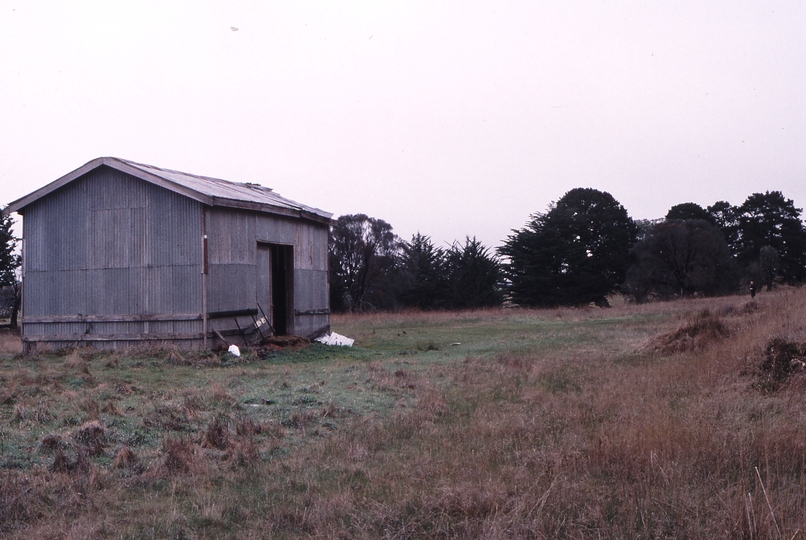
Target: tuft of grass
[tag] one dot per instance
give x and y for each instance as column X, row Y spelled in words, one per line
column 125, row 458
column 92, row 437
column 217, row 434
column 178, row 456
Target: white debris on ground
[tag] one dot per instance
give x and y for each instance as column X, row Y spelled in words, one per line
column 234, row 350
column 336, row 339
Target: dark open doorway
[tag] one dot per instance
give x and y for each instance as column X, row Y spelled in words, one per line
column 275, row 285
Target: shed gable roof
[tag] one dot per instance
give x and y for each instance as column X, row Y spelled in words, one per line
column 206, row 190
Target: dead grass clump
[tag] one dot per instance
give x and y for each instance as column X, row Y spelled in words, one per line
column 39, row 413
column 169, row 417
column 217, row 434
column 219, row 393
column 748, row 308
column 52, row 441
column 90, row 406
column 696, row 334
column 179, row 456
column 246, row 426
column 781, row 359
column 63, row 464
column 75, row 361
column 125, row 458
column 91, row 435
column 245, row 451
column 20, row 500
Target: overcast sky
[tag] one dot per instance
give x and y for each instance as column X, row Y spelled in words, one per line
column 449, row 118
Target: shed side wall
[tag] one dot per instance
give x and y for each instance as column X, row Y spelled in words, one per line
column 112, row 255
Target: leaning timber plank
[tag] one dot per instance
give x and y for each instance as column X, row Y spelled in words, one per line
column 218, row 334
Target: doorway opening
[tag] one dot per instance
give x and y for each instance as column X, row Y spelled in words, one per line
column 275, row 285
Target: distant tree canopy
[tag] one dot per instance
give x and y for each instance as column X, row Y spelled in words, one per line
column 725, row 216
column 584, row 248
column 465, row 276
column 681, row 258
column 575, row 254
column 423, row 274
column 473, row 276
column 372, row 269
column 9, row 260
column 763, row 239
column 363, row 254
column 689, row 210
column 770, row 219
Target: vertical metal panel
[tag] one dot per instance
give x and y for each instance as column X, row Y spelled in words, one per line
column 303, row 290
column 231, row 287
column 231, row 236
column 263, row 277
column 310, row 289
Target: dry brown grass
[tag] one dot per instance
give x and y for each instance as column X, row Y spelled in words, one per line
column 677, row 444
column 663, row 431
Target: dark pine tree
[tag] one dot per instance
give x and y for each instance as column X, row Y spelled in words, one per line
column 473, row 276
column 770, row 219
column 423, row 273
column 575, row 254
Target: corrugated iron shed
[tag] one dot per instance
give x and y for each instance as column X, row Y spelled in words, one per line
column 118, row 253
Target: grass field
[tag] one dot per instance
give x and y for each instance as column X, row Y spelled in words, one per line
column 668, row 420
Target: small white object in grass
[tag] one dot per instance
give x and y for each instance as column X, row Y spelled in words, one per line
column 457, row 343
column 234, row 350
column 336, row 339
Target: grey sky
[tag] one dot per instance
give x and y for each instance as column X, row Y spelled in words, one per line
column 451, row 118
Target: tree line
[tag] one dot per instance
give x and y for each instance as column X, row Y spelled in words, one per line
column 584, row 248
column 372, row 268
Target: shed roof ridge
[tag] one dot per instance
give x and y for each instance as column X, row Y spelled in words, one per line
column 199, row 176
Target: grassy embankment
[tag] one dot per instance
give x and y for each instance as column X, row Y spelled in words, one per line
column 498, row 424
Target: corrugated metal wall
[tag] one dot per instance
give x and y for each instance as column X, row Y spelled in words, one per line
column 232, row 243
column 109, row 254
